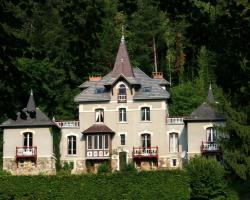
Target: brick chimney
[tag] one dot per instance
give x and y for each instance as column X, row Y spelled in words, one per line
column 95, row 78
column 157, row 75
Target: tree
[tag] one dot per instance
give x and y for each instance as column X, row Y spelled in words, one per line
column 207, row 179
column 236, row 143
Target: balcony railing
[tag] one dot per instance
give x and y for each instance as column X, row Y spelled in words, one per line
column 68, row 124
column 210, row 147
column 97, row 154
column 122, row 98
column 174, row 120
column 24, row 152
column 145, row 152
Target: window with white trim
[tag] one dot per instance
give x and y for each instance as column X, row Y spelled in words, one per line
column 97, row 142
column 145, row 114
column 173, row 142
column 28, row 139
column 123, row 139
column 71, row 145
column 146, row 140
column 122, row 115
column 99, row 115
column 122, row 94
column 211, row 134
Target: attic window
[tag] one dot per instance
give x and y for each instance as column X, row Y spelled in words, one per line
column 99, row 90
column 146, row 89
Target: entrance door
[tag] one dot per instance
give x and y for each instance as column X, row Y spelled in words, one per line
column 122, row 160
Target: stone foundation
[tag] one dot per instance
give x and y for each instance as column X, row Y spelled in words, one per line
column 44, row 166
column 79, row 166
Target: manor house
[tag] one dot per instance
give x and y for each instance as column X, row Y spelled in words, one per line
column 123, row 117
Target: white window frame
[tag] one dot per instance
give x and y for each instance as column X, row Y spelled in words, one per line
column 145, row 137
column 29, row 137
column 99, row 115
column 173, row 142
column 98, row 136
column 123, row 114
column 144, row 111
column 211, row 131
column 71, row 139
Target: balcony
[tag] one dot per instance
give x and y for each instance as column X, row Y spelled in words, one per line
column 174, row 120
column 98, row 154
column 26, row 153
column 68, row 124
column 210, row 147
column 145, row 152
column 122, row 98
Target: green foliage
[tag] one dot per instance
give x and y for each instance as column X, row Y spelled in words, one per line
column 56, row 134
column 207, row 179
column 185, row 98
column 236, row 144
column 1, row 149
column 130, row 167
column 206, row 64
column 4, row 173
column 103, row 168
column 145, row 185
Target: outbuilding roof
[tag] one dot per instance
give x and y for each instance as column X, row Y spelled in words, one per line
column 29, row 117
column 206, row 111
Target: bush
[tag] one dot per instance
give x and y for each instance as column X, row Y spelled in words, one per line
column 4, row 173
column 103, row 168
column 130, row 167
column 207, row 179
column 171, row 185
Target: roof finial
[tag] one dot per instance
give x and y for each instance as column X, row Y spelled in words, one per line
column 123, row 38
column 31, row 92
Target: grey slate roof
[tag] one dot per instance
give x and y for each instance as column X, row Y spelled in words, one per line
column 89, row 94
column 87, row 84
column 29, row 117
column 206, row 111
column 123, row 70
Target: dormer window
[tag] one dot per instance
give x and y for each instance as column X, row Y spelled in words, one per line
column 122, row 94
column 147, row 89
column 99, row 115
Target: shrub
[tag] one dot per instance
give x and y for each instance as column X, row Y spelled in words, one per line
column 130, row 167
column 171, row 185
column 103, row 168
column 206, row 179
column 4, row 173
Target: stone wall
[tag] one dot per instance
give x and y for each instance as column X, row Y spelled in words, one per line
column 45, row 166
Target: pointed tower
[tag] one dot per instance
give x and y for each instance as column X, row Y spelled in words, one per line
column 31, row 106
column 210, row 96
column 122, row 62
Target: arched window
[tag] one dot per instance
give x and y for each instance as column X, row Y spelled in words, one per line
column 173, row 143
column 146, row 140
column 122, row 94
column 28, row 139
column 211, row 134
column 99, row 115
column 71, row 145
column 145, row 114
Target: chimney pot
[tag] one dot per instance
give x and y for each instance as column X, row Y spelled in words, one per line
column 95, row 78
column 157, row 75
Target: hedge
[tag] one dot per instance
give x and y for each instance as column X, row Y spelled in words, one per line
column 171, row 185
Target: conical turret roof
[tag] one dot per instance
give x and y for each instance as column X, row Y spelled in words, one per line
column 122, row 62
